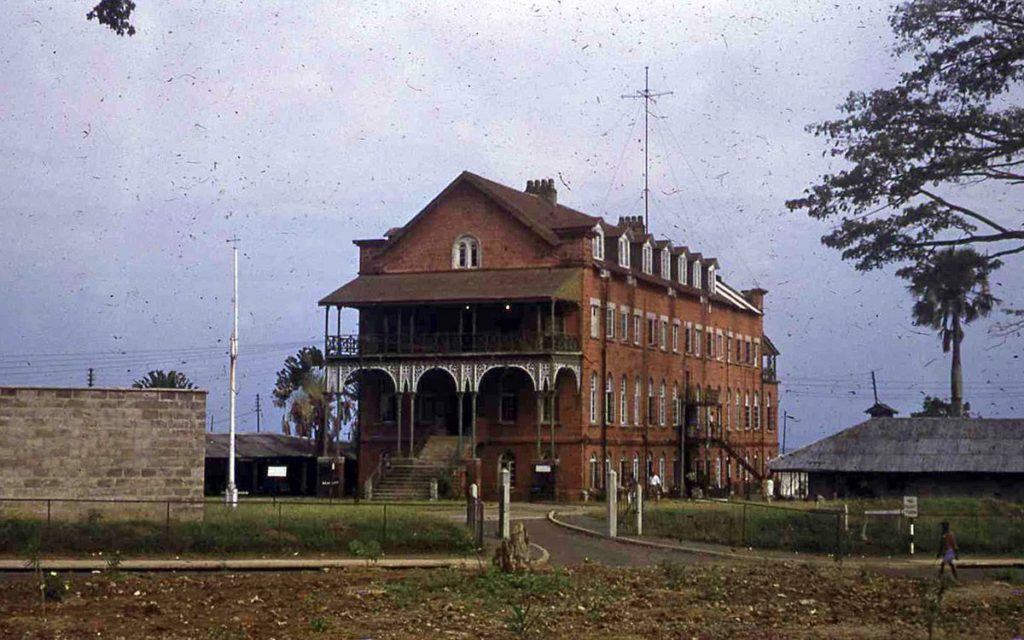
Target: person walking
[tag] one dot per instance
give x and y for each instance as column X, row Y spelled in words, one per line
column 656, row 487
column 948, row 550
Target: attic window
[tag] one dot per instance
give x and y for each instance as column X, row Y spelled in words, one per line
column 648, row 258
column 681, row 276
column 696, row 274
column 666, row 265
column 623, row 251
column 711, row 279
column 598, row 242
column 466, row 253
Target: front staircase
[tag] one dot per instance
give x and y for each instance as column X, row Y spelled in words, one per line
column 409, row 478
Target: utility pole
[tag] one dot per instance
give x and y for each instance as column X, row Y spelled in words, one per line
column 785, row 422
column 232, row 493
column 211, row 424
column 647, row 98
column 259, row 413
column 874, row 386
column 92, row 377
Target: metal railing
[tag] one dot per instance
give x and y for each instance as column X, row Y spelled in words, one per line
column 355, row 345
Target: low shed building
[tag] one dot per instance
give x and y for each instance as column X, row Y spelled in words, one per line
column 891, row 457
column 273, row 464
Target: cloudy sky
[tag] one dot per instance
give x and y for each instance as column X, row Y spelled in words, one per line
column 126, row 164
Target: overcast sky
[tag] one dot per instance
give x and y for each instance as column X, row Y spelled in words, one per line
column 126, row 164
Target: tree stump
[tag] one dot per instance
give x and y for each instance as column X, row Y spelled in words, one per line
column 513, row 555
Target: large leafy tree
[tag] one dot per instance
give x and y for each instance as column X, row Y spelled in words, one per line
column 310, row 410
column 918, row 151
column 115, row 14
column 160, row 379
column 938, row 408
column 951, row 290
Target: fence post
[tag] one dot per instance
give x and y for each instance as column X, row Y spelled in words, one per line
column 471, row 505
column 612, row 498
column 503, row 511
column 639, row 510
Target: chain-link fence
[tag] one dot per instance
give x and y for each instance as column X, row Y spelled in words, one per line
column 214, row 527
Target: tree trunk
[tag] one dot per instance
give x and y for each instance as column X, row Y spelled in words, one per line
column 956, row 375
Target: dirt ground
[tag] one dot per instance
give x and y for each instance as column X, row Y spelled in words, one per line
column 672, row 600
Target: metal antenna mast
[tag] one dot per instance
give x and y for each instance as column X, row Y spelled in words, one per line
column 232, row 493
column 647, row 98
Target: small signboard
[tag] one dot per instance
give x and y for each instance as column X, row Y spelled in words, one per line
column 277, row 472
column 910, row 506
column 543, row 468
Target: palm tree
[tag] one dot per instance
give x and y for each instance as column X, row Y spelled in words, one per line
column 302, row 389
column 160, row 379
column 952, row 290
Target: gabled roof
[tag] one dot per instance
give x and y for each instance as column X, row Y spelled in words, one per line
column 538, row 214
column 915, row 445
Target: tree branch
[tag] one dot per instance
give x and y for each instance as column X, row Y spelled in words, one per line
column 965, row 211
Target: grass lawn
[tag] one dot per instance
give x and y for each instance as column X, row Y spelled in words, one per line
column 253, row 528
column 982, row 526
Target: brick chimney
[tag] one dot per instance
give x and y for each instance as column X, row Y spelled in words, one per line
column 755, row 297
column 636, row 223
column 543, row 188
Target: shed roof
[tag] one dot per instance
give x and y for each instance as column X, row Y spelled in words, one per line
column 915, row 445
column 459, row 286
column 260, row 445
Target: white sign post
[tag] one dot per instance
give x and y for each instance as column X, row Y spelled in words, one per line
column 611, row 498
column 910, row 511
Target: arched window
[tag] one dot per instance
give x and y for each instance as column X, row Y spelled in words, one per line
column 623, row 403
column 746, row 411
column 648, row 257
column 466, row 253
column 593, row 471
column 636, row 401
column 609, row 400
column 675, row 404
column 757, row 411
column 661, row 404
column 624, row 260
column 593, row 398
column 650, row 402
column 598, row 242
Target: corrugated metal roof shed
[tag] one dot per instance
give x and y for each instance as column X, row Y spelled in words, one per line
column 915, row 445
column 262, row 445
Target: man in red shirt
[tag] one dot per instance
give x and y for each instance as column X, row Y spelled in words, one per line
column 948, row 550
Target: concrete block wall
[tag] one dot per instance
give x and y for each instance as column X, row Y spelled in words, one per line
column 100, row 444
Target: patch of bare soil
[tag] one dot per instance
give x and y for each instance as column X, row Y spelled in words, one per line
column 728, row 600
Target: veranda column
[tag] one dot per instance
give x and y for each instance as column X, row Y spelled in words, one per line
column 472, row 422
column 398, row 421
column 459, row 395
column 540, row 418
column 551, row 422
column 412, row 422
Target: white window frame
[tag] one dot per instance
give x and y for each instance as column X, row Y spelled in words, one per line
column 463, row 252
column 688, row 338
column 597, row 243
column 648, row 257
column 609, row 399
column 666, row 264
column 624, row 323
column 593, row 398
column 609, row 321
column 663, row 322
column 624, row 402
column 696, row 274
column 681, row 268
column 624, row 257
column 636, row 401
column 595, row 318
column 637, row 327
column 675, row 336
column 757, row 411
column 711, row 278
column 661, row 405
column 675, row 404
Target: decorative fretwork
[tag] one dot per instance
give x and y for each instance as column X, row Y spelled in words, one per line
column 405, row 374
column 420, row 344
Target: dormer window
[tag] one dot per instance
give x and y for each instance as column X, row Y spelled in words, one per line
column 711, row 279
column 681, row 276
column 598, row 243
column 666, row 265
column 466, row 253
column 696, row 274
column 624, row 251
column 648, row 258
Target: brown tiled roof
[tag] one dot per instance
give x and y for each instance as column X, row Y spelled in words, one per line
column 471, row 285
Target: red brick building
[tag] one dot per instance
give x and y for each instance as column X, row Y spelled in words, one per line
column 542, row 339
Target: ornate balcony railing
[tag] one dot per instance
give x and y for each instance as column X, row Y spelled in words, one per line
column 448, row 344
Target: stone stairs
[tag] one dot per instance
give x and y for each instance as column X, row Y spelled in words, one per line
column 409, row 478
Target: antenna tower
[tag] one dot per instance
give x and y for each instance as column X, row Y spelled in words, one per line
column 647, row 96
